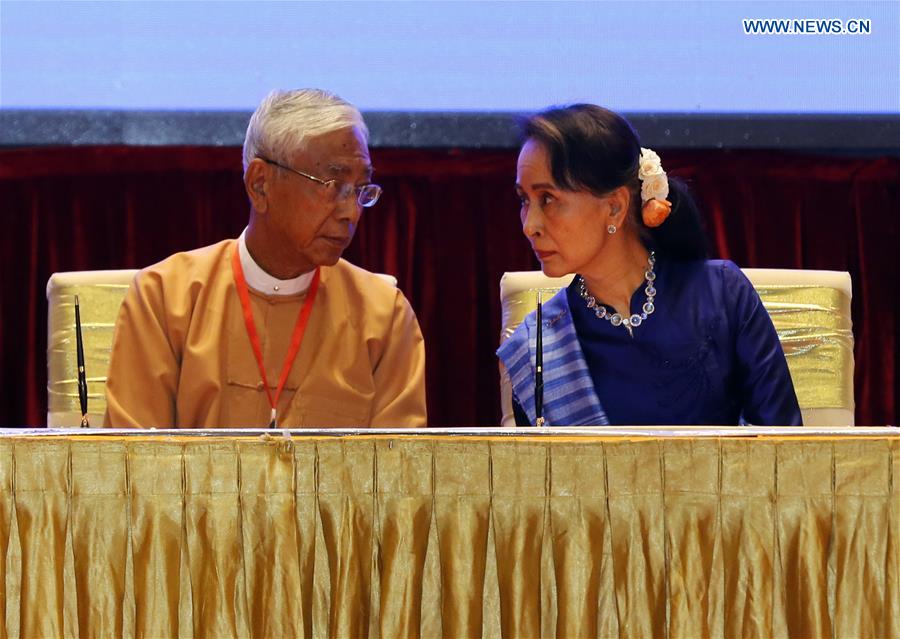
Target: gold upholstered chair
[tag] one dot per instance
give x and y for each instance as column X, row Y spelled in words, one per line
column 810, row 311
column 100, row 294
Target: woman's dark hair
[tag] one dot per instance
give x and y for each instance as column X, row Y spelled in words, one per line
column 593, row 149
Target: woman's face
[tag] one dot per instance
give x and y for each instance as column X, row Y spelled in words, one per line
column 567, row 229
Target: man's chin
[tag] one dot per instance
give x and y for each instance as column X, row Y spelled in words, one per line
column 329, row 259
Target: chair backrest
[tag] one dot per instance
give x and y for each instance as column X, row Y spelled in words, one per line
column 810, row 311
column 100, row 294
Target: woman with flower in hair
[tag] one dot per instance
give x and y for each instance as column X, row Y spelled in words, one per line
column 649, row 331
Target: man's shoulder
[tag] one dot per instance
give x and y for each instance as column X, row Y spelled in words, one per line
column 368, row 299
column 187, row 266
column 200, row 258
column 167, row 293
column 373, row 286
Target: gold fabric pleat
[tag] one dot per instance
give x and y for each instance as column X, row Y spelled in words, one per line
column 518, row 509
column 634, row 474
column 462, row 506
column 7, row 472
column 747, row 506
column 404, row 509
column 42, row 494
column 155, row 491
column 438, row 536
column 97, row 494
column 804, row 527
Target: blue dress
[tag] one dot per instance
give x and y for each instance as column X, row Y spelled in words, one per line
column 707, row 355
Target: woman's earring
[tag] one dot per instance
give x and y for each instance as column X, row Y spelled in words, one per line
column 611, row 229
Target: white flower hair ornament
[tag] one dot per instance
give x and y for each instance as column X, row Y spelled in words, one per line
column 655, row 208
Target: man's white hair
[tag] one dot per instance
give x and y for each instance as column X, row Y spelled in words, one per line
column 284, row 120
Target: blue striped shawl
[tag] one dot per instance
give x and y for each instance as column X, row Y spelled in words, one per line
column 569, row 395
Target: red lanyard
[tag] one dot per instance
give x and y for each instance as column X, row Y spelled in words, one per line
column 296, row 338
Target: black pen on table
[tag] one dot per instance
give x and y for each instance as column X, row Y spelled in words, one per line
column 539, row 367
column 82, row 378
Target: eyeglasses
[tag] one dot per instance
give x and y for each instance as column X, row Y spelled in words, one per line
column 366, row 195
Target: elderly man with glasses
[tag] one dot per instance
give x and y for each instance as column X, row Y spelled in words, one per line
column 274, row 328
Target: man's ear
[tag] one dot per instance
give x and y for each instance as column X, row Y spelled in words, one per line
column 256, row 179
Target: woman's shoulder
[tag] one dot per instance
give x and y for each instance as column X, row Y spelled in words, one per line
column 714, row 271
column 731, row 275
column 712, row 284
column 729, row 287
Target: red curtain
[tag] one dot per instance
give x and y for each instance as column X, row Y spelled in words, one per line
column 447, row 227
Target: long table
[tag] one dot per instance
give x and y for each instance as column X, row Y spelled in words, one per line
column 455, row 533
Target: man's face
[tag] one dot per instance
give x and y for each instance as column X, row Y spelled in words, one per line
column 315, row 225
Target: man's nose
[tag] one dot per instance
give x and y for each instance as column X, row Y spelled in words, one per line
column 348, row 208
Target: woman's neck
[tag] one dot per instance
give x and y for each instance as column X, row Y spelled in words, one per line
column 620, row 269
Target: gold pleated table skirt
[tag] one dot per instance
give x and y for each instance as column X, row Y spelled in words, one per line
column 436, row 535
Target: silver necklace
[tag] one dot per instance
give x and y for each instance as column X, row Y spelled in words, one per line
column 616, row 319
